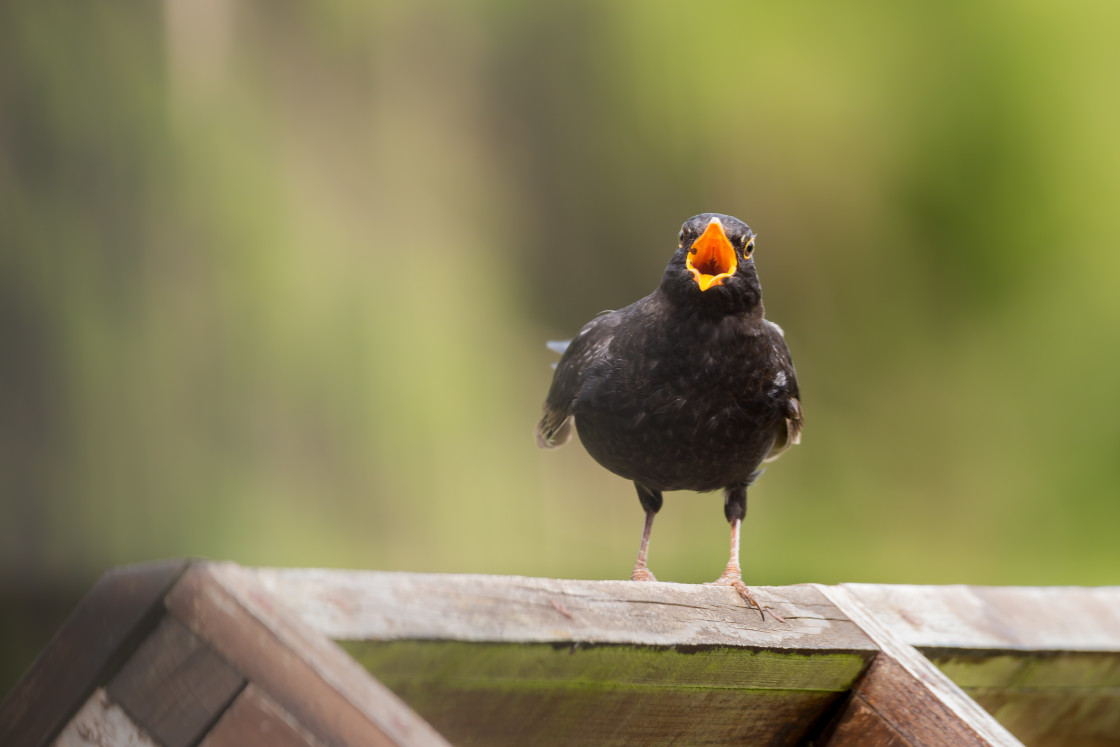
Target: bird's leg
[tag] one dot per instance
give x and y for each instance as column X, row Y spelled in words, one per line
column 651, row 502
column 733, row 572
column 735, row 508
column 641, row 570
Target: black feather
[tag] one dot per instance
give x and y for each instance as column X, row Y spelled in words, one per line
column 684, row 389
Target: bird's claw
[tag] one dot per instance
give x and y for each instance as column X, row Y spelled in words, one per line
column 641, row 573
column 737, row 583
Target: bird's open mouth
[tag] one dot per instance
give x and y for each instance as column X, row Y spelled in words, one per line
column 711, row 257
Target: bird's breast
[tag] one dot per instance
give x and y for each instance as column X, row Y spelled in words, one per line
column 682, row 414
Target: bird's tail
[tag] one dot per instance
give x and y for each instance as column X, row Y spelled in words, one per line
column 558, row 347
column 554, row 429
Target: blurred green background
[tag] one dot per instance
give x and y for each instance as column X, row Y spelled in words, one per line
column 275, row 280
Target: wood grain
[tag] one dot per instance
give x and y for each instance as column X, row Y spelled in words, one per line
column 370, row 605
column 116, row 614
column 587, row 715
column 862, row 726
column 487, row 664
column 1062, row 618
column 175, row 686
column 918, row 701
column 513, row 660
column 308, row 675
column 1045, row 662
column 1047, row 717
column 537, row 693
column 921, row 714
column 102, row 723
column 1042, row 697
column 255, row 720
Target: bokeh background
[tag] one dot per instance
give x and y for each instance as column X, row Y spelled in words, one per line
column 275, row 280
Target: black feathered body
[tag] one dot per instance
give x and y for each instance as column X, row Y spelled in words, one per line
column 682, row 390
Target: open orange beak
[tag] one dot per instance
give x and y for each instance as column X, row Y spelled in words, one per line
column 711, row 257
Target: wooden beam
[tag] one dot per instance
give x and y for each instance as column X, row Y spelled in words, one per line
column 860, row 724
column 373, row 605
column 1044, row 661
column 177, row 653
column 539, row 693
column 911, row 695
column 304, row 672
column 110, row 621
column 510, row 660
column 175, row 686
column 102, row 723
column 1058, row 618
column 256, row 719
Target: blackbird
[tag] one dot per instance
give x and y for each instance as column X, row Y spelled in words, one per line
column 690, row 388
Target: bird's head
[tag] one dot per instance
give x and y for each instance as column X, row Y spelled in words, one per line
column 713, row 262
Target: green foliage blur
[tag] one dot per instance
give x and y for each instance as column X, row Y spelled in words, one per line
column 275, row 281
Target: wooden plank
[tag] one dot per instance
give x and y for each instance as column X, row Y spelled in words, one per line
column 370, row 605
column 913, row 706
column 862, row 726
column 1029, row 670
column 479, row 664
column 910, row 693
column 116, row 614
column 1049, row 717
column 1045, row 662
column 557, row 655
column 1042, row 697
column 538, row 693
column 305, row 673
column 175, row 686
column 507, row 660
column 1066, row 618
column 102, row 723
column 584, row 714
column 255, row 719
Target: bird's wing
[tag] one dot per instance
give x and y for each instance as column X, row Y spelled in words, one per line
column 555, row 427
column 786, row 390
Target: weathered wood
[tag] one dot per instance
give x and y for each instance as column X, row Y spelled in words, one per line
column 116, row 614
column 477, row 664
column 102, row 723
column 1044, row 661
column 917, row 712
column 175, row 686
column 1060, row 618
column 911, row 694
column 1042, row 697
column 1029, row 670
column 494, row 693
column 306, row 674
column 862, row 726
column 1042, row 718
column 581, row 713
column 370, row 605
column 255, row 720
column 512, row 660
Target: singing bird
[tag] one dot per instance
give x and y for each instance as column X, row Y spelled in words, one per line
column 690, row 388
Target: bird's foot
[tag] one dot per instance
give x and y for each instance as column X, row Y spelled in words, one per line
column 731, row 577
column 641, row 573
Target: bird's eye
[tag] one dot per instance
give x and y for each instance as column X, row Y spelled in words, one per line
column 749, row 247
column 680, row 239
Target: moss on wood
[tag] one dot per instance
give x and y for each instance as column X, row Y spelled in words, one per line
column 501, row 693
